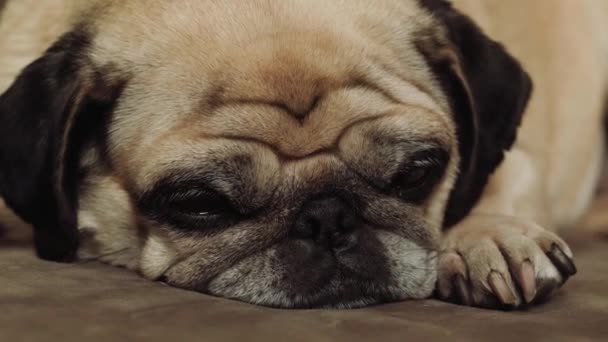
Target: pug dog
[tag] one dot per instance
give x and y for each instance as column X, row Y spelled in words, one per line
column 307, row 153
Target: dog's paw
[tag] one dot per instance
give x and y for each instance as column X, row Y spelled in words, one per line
column 501, row 262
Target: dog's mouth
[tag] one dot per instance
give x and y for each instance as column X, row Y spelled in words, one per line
column 342, row 290
column 301, row 275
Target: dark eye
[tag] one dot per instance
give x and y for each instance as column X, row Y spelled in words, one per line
column 420, row 174
column 412, row 177
column 189, row 207
column 199, row 204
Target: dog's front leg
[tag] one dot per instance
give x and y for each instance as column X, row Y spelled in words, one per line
column 500, row 256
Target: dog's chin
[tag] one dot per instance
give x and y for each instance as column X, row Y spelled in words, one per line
column 300, row 275
column 342, row 292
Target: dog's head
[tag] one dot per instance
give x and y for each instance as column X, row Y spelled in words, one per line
column 286, row 153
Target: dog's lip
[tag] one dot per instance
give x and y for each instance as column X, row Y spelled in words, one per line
column 366, row 289
column 334, row 255
column 204, row 286
column 338, row 266
column 374, row 293
column 354, row 290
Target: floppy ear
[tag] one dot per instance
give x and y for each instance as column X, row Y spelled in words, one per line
column 487, row 90
column 40, row 130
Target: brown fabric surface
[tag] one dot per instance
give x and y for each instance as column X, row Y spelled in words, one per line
column 44, row 301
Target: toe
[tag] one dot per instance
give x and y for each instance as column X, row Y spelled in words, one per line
column 522, row 255
column 452, row 283
column 527, row 280
column 547, row 240
column 503, row 292
column 462, row 290
column 491, row 281
column 558, row 252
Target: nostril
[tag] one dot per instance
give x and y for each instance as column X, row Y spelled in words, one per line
column 347, row 222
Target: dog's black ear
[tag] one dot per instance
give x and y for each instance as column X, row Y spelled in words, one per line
column 38, row 122
column 487, row 90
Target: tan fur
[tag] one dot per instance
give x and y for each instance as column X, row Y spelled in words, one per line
column 551, row 173
column 297, row 91
column 27, row 28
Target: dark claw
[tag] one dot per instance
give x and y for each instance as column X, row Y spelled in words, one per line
column 564, row 264
column 462, row 288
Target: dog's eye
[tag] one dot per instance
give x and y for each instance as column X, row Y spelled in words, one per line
column 199, row 204
column 419, row 174
column 189, row 206
column 197, row 210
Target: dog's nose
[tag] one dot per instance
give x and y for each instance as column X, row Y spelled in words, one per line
column 329, row 221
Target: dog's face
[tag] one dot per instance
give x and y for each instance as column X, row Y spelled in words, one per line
column 290, row 153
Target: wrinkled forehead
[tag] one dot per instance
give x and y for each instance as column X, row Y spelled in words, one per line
column 260, row 144
column 294, row 77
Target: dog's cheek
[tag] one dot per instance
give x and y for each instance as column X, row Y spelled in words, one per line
column 158, row 254
column 107, row 223
column 413, row 268
column 256, row 279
